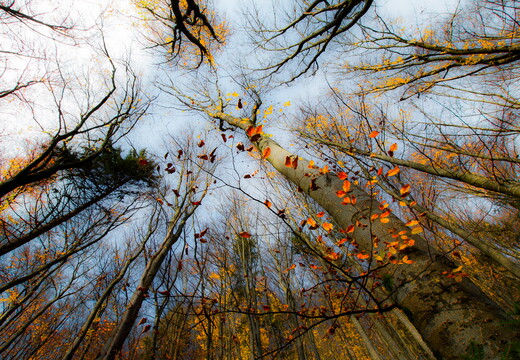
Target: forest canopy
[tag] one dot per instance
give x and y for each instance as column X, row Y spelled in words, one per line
column 196, row 179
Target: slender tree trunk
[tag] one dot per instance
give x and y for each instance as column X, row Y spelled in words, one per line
column 115, row 345
column 448, row 314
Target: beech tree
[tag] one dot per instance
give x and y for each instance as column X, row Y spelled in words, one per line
column 415, row 275
column 364, row 245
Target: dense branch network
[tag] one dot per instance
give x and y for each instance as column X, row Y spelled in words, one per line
column 315, row 28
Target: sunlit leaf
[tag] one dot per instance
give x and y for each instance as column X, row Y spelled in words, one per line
column 324, row 170
column 342, row 175
column 293, row 266
column 327, row 226
column 393, row 171
column 417, row 230
column 412, row 223
column 346, row 186
column 341, row 242
column 373, row 134
column 406, row 260
column 266, row 152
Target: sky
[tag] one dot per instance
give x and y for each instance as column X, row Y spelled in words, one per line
column 118, row 19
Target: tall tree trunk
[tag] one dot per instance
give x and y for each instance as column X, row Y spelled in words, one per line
column 449, row 314
column 121, row 332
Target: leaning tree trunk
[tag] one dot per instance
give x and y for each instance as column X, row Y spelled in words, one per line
column 175, row 229
column 450, row 315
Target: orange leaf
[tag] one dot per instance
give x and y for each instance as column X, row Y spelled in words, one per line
column 341, row 242
column 245, row 234
column 406, row 260
column 320, row 214
column 342, row 175
column 405, row 189
column 268, row 203
column 412, row 223
column 393, row 171
column 251, row 131
column 327, row 226
column 373, row 134
column 385, row 214
column 340, row 193
column 266, row 152
column 350, row 229
column 324, row 170
column 293, row 266
column 384, row 220
column 332, row 256
column 346, row 186
column 393, row 147
column 312, row 223
column 346, row 201
column 363, row 256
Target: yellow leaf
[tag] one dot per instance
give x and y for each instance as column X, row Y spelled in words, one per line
column 393, row 172
column 327, row 226
column 417, row 230
column 412, row 223
column 287, row 103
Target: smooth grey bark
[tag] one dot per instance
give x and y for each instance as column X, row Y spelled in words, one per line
column 448, row 314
